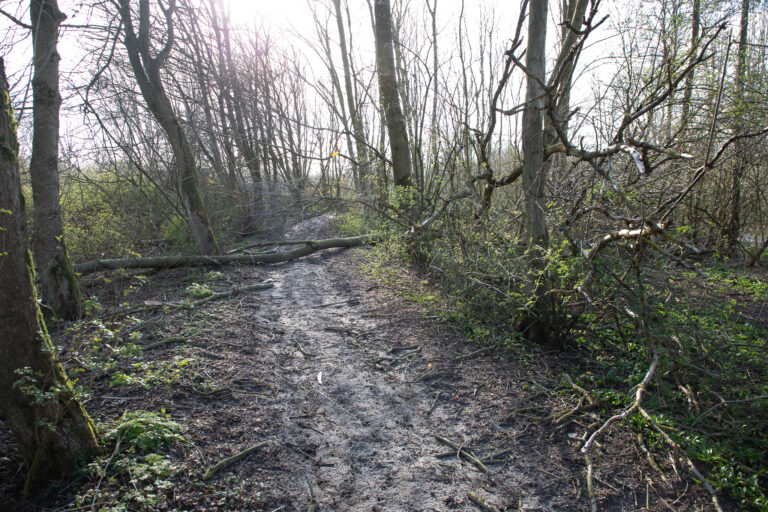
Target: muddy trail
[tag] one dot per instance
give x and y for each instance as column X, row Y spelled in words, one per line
column 364, row 404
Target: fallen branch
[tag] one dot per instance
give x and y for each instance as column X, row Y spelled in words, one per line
column 236, row 259
column 153, row 305
column 629, row 410
column 725, row 403
column 480, row 503
column 679, row 450
column 164, row 342
column 269, row 244
column 464, row 453
column 231, row 460
column 476, row 353
column 623, row 234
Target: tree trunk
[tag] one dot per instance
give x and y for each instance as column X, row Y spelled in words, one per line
column 688, row 92
column 58, row 285
column 389, row 96
column 36, row 398
column 236, row 108
column 733, row 227
column 540, row 324
column 572, row 22
column 363, row 164
column 147, row 71
column 307, row 247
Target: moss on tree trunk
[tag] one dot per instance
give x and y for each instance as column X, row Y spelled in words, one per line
column 36, row 398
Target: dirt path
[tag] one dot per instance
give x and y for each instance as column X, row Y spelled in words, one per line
column 345, row 397
column 350, row 386
column 343, row 391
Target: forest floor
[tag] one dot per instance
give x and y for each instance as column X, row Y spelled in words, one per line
column 349, row 387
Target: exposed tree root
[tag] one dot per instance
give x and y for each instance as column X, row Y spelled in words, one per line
column 308, row 248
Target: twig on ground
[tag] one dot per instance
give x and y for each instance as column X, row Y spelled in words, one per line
column 476, row 353
column 651, row 460
column 480, row 503
column 392, row 359
column 329, row 304
column 679, row 450
column 313, row 506
column 434, row 403
column 431, row 374
column 164, row 342
column 464, row 453
column 491, row 459
column 590, row 486
column 580, row 389
column 174, row 306
column 231, row 460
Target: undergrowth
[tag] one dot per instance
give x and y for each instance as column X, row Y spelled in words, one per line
column 138, row 473
column 710, row 392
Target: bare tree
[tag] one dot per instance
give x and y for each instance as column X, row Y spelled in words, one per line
column 389, row 95
column 146, row 69
column 534, row 171
column 60, row 292
column 688, row 93
column 732, row 230
column 361, row 156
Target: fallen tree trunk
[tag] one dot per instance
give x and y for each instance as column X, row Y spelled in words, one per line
column 274, row 243
column 310, row 247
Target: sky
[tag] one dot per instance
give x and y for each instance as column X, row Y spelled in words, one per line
column 287, row 21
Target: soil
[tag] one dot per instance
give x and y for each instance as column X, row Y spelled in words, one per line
column 349, row 385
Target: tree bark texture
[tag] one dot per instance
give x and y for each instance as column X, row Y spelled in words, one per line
column 146, row 69
column 36, row 398
column 534, row 173
column 58, row 285
column 389, row 95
